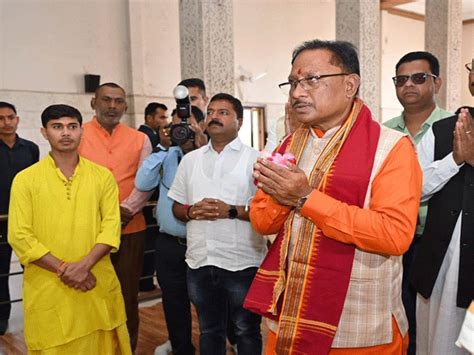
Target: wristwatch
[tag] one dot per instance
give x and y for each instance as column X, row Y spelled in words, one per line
column 300, row 203
column 233, row 212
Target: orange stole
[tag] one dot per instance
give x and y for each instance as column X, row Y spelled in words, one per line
column 308, row 298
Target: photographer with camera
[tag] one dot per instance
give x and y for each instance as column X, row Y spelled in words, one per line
column 197, row 93
column 184, row 135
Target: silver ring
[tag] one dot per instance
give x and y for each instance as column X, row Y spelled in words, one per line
column 467, row 132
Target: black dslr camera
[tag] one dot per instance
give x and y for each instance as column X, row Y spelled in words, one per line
column 181, row 132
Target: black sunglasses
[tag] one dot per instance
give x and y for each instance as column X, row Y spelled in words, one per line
column 417, row 78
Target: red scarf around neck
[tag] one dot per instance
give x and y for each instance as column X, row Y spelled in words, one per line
column 308, row 324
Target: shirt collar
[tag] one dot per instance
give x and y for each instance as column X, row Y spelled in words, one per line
column 436, row 115
column 433, row 117
column 53, row 165
column 147, row 126
column 236, row 144
column 400, row 122
column 327, row 135
column 18, row 141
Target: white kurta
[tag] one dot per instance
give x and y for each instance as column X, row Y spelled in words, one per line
column 438, row 320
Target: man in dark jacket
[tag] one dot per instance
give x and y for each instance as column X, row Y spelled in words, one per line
column 16, row 154
column 443, row 267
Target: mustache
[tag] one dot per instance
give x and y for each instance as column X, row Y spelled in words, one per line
column 298, row 102
column 215, row 122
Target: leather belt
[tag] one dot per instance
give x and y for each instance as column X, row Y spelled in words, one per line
column 180, row 240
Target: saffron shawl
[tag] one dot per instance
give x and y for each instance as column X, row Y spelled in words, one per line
column 307, row 298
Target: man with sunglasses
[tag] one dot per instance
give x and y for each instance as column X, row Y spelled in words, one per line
column 416, row 82
column 442, row 273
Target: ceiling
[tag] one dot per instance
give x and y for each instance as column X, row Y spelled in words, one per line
column 417, row 7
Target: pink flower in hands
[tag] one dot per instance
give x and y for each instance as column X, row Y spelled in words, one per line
column 277, row 158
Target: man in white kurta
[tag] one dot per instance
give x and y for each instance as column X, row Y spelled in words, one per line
column 438, row 312
column 446, row 154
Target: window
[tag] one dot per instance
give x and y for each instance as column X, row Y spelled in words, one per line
column 252, row 131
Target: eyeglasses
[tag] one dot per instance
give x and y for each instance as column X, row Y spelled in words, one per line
column 468, row 67
column 307, row 84
column 417, row 79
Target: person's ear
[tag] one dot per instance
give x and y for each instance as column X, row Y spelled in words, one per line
column 93, row 103
column 438, row 82
column 352, row 84
column 43, row 133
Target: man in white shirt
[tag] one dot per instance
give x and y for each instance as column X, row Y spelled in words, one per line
column 442, row 270
column 211, row 190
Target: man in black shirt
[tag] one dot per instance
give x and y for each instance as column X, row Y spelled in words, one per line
column 16, row 154
column 156, row 117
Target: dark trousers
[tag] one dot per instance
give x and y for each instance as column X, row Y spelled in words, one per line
column 215, row 293
column 5, row 257
column 171, row 273
column 409, row 294
column 128, row 263
column 146, row 284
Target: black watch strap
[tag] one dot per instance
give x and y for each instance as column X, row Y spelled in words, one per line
column 233, row 212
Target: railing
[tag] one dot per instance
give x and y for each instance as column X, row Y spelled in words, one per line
column 4, row 218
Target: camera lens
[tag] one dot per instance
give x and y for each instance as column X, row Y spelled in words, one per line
column 180, row 133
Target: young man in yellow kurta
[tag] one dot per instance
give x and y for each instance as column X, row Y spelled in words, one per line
column 64, row 221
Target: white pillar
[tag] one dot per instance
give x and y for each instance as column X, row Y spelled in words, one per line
column 443, row 38
column 136, row 61
column 1, row 46
column 207, row 43
column 358, row 22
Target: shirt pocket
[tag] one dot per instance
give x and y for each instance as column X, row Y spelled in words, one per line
column 235, row 188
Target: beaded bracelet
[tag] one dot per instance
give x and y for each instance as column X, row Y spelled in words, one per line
column 60, row 269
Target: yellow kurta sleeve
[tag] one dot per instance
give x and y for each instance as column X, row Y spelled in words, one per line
column 20, row 223
column 110, row 228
